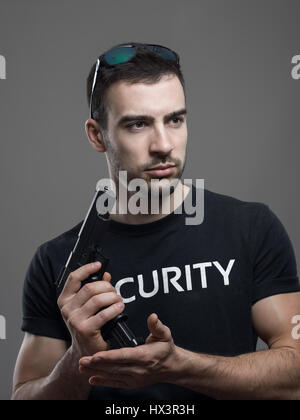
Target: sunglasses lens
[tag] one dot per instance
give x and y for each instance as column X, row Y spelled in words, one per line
column 164, row 52
column 119, row 55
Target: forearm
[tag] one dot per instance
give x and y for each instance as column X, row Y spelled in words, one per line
column 64, row 383
column 269, row 374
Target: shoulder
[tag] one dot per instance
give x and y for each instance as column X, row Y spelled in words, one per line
column 261, row 227
column 229, row 201
column 51, row 255
column 63, row 238
column 251, row 220
column 231, row 207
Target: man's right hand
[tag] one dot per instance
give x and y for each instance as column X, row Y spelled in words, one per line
column 87, row 309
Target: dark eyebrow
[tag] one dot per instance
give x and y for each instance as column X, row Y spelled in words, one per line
column 149, row 118
column 175, row 114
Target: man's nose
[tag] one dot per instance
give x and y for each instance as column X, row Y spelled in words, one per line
column 161, row 141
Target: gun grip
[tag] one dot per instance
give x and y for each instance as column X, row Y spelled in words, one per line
column 94, row 254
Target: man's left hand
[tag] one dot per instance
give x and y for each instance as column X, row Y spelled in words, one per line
column 130, row 368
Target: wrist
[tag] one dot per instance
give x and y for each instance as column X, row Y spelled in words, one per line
column 74, row 354
column 79, row 379
column 179, row 367
column 189, row 367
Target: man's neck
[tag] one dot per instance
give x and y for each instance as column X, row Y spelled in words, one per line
column 170, row 203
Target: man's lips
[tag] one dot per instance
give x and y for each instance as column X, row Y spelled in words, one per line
column 161, row 170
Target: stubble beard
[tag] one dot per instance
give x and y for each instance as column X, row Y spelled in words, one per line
column 155, row 191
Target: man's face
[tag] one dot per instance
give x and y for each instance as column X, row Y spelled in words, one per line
column 146, row 129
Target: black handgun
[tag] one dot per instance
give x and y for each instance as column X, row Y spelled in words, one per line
column 88, row 249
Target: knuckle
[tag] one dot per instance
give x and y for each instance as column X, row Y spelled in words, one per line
column 89, row 288
column 107, row 314
column 64, row 312
column 108, row 287
column 71, row 276
column 103, row 317
column 72, row 323
column 97, row 300
column 113, row 297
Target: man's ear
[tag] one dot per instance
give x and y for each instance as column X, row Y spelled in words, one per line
column 95, row 136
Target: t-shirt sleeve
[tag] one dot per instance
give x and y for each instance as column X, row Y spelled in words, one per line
column 41, row 315
column 274, row 263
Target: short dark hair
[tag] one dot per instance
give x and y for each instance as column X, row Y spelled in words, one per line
column 145, row 67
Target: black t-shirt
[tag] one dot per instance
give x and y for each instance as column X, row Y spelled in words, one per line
column 201, row 280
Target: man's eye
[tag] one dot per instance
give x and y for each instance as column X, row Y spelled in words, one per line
column 177, row 121
column 137, row 125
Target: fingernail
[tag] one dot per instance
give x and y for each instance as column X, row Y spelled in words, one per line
column 85, row 362
column 96, row 264
column 92, row 381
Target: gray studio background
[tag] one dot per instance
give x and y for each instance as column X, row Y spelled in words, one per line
column 243, row 116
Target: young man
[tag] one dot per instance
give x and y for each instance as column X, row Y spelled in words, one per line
column 199, row 294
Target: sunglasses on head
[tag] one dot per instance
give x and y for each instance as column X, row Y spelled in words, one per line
column 125, row 53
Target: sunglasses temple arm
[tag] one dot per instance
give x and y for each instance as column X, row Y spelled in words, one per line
column 93, row 85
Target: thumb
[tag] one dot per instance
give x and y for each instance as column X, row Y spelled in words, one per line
column 157, row 329
column 106, row 276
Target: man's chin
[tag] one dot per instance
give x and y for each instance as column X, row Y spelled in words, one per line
column 161, row 187
column 147, row 185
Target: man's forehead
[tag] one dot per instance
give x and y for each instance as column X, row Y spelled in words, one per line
column 166, row 94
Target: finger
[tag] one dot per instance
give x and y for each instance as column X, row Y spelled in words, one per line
column 106, row 277
column 96, row 322
column 112, row 370
column 88, row 291
column 86, row 363
column 126, row 355
column 97, row 303
column 101, row 318
column 75, row 278
column 158, row 330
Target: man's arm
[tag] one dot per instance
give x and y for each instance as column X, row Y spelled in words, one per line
column 47, row 369
column 269, row 374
